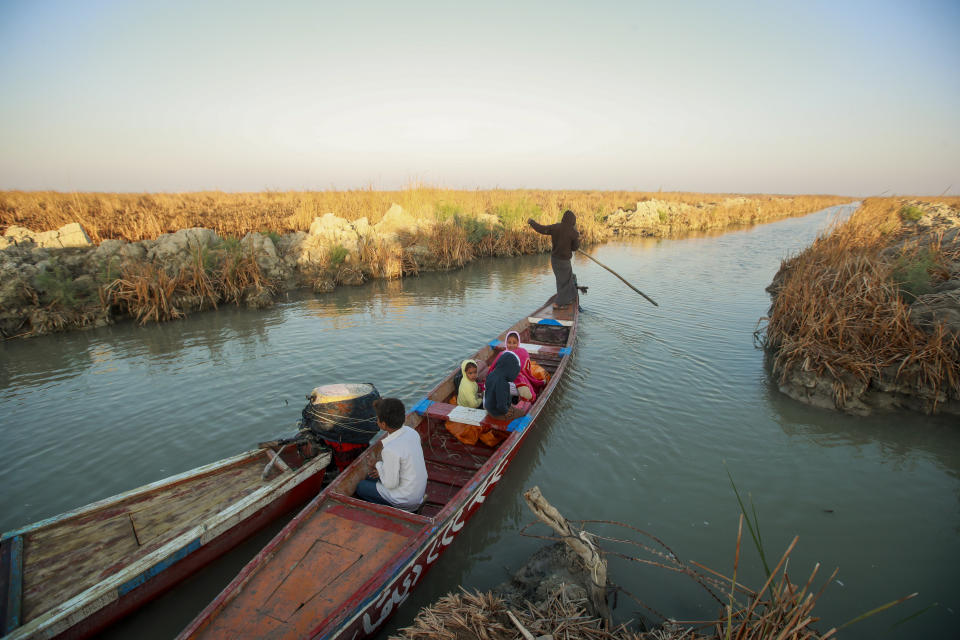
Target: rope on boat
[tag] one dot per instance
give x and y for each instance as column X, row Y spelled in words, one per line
column 337, row 420
column 444, row 438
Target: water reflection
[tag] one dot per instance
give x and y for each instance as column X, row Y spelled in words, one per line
column 898, row 438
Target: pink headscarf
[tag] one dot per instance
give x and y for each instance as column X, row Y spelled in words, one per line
column 520, row 351
column 522, row 379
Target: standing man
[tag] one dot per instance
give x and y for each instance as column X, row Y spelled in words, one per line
column 566, row 240
column 399, row 478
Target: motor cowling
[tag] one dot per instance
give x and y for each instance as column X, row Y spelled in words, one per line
column 342, row 413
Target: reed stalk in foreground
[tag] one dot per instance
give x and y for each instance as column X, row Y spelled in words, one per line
column 780, row 609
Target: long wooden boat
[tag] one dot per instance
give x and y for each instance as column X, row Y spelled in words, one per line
column 342, row 566
column 72, row 575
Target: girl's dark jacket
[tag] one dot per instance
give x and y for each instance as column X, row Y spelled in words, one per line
column 564, row 235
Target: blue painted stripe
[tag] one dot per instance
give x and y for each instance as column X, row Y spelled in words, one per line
column 549, row 322
column 158, row 568
column 494, row 343
column 14, row 585
column 519, row 424
column 422, row 406
column 565, row 351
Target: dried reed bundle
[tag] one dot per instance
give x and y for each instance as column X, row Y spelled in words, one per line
column 449, row 245
column 838, row 310
column 780, row 609
column 240, row 274
column 465, row 615
column 145, row 292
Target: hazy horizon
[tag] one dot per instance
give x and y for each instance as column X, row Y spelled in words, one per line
column 855, row 98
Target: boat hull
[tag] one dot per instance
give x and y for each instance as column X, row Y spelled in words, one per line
column 182, row 568
column 342, row 567
column 130, row 584
column 371, row 614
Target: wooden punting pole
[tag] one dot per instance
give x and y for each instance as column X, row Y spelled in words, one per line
column 619, row 276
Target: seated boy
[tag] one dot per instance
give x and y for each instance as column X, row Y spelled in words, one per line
column 399, row 478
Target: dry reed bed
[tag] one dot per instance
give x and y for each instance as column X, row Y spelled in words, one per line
column 780, row 609
column 135, row 217
column 839, row 310
column 148, row 293
column 460, row 230
column 485, row 616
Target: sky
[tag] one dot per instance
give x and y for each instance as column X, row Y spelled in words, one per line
column 848, row 98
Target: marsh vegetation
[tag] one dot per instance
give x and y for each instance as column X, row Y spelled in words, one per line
column 161, row 256
column 870, row 309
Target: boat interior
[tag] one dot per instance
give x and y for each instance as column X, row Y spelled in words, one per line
column 66, row 555
column 450, row 463
column 339, row 545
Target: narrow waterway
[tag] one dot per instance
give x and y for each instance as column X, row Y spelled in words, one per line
column 660, row 404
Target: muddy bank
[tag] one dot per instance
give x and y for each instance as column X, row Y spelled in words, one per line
column 868, row 318
column 59, row 280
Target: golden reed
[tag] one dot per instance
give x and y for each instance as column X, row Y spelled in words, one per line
column 135, row 217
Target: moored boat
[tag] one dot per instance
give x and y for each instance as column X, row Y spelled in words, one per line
column 71, row 575
column 342, row 566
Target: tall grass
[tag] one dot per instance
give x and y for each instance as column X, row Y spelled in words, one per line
column 840, row 308
column 224, row 273
column 449, row 244
column 135, row 217
column 461, row 225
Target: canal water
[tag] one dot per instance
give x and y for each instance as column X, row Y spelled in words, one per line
column 660, row 408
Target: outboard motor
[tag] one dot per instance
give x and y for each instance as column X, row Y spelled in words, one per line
column 342, row 415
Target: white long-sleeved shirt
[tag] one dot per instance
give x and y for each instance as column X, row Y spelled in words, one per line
column 403, row 473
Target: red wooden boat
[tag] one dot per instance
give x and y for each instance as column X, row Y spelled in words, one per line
column 341, row 567
column 72, row 575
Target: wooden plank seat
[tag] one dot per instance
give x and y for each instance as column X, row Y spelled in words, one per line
column 553, row 322
column 444, row 481
column 447, row 474
column 537, row 351
column 442, row 411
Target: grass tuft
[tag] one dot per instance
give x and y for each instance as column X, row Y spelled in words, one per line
column 911, row 213
column 56, row 287
column 338, row 255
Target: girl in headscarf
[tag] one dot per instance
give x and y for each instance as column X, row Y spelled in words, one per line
column 468, row 395
column 532, row 377
column 497, row 398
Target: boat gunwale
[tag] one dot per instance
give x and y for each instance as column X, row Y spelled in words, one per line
column 403, row 559
column 81, row 606
column 333, row 628
column 195, row 473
